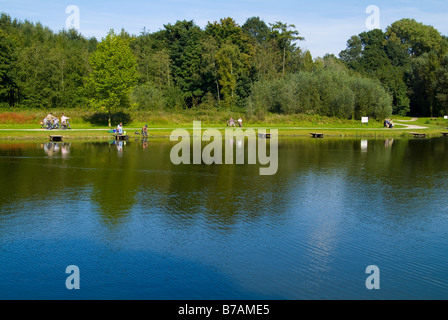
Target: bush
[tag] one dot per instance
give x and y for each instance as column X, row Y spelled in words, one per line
column 147, row 97
column 371, row 99
column 208, row 102
column 324, row 92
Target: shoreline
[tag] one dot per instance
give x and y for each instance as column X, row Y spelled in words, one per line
column 164, row 133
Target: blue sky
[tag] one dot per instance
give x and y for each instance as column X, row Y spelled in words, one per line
column 326, row 25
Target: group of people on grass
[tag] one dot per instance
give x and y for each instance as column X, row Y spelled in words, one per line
column 231, row 122
column 388, row 124
column 120, row 130
column 52, row 122
column 144, row 133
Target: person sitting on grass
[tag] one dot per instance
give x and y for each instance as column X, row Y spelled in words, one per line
column 48, row 121
column 56, row 123
column 50, row 117
column 48, row 124
column 388, row 124
column 120, row 129
column 65, row 123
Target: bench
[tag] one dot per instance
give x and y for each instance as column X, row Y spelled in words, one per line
column 317, row 135
column 445, row 134
column 264, row 135
column 418, row 135
column 56, row 138
column 121, row 137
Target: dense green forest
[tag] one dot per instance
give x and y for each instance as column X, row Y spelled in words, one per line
column 256, row 68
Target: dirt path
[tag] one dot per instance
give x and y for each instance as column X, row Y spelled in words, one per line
column 410, row 126
column 412, row 120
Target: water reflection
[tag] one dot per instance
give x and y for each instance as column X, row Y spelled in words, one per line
column 334, row 207
column 364, row 145
column 65, row 150
column 388, row 143
column 119, row 144
column 53, row 148
column 229, row 194
column 225, row 193
column 145, row 143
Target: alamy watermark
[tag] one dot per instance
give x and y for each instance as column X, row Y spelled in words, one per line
column 373, row 21
column 73, row 21
column 72, row 281
column 373, row 280
column 186, row 152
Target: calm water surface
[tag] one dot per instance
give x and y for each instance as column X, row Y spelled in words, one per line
column 139, row 227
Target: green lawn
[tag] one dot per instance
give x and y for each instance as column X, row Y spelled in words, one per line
column 25, row 125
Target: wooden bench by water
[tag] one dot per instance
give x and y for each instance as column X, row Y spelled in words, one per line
column 264, row 135
column 418, row 135
column 317, row 135
column 121, row 137
column 56, row 138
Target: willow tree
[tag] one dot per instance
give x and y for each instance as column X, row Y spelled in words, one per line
column 114, row 73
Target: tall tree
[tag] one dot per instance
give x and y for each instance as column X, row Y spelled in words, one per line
column 267, row 61
column 370, row 53
column 415, row 37
column 210, row 66
column 183, row 42
column 230, row 69
column 425, row 48
column 442, row 86
column 114, row 73
column 48, row 69
column 307, row 61
column 285, row 35
column 353, row 54
column 233, row 59
column 423, row 83
column 257, row 30
column 7, row 59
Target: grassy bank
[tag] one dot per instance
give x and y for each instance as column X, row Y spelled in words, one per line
column 88, row 119
column 88, row 125
column 161, row 133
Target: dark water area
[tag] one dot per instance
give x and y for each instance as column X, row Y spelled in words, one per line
column 140, row 227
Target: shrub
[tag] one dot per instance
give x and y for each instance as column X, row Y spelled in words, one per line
column 324, row 92
column 147, row 97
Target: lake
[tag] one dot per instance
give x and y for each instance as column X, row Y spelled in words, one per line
column 139, row 227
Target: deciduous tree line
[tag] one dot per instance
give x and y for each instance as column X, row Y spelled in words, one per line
column 257, row 67
column 410, row 59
